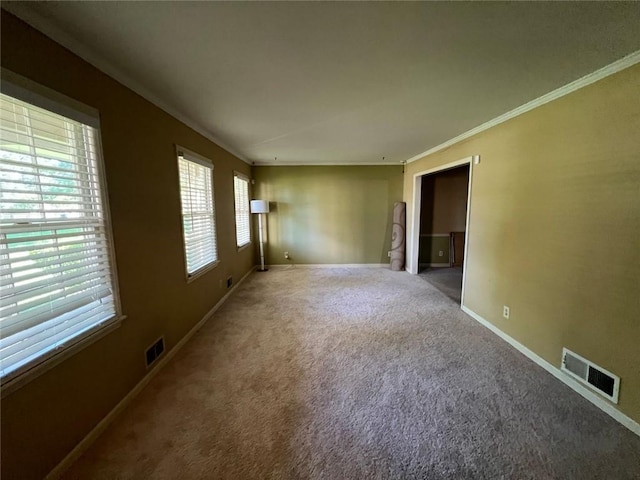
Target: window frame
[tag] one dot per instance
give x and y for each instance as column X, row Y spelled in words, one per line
column 193, row 157
column 30, row 92
column 244, row 178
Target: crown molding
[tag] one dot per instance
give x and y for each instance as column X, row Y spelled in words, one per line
column 623, row 63
column 47, row 27
column 323, row 164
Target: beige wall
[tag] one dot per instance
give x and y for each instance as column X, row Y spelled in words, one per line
column 557, row 192
column 329, row 214
column 444, row 210
column 430, row 248
column 45, row 419
column 444, row 201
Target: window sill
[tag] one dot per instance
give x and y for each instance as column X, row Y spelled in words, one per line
column 198, row 273
column 56, row 358
column 244, row 247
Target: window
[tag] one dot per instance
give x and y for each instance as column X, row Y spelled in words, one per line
column 241, row 193
column 198, row 214
column 56, row 264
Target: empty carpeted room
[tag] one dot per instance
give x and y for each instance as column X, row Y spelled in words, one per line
column 215, row 228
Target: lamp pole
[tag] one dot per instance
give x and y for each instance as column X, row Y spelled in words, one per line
column 262, row 269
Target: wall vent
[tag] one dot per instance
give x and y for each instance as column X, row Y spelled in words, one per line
column 154, row 351
column 597, row 378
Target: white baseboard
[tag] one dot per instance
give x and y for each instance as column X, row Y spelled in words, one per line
column 331, row 265
column 598, row 401
column 93, row 435
column 435, row 264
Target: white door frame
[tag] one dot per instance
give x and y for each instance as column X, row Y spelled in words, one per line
column 413, row 236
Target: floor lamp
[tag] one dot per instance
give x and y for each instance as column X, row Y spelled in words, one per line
column 260, row 207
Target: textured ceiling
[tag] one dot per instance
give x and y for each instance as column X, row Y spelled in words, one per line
column 340, row 83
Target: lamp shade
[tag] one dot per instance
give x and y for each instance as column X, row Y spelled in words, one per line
column 259, row 206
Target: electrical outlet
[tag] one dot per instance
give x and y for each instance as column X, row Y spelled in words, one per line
column 440, row 253
column 286, row 255
column 389, row 254
column 505, row 311
column 229, row 282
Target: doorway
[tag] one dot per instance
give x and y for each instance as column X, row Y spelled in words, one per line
column 439, row 233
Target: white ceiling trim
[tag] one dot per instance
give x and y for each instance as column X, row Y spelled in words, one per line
column 325, row 164
column 45, row 26
column 610, row 69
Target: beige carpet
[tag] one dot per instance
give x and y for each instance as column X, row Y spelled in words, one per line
column 446, row 279
column 355, row 374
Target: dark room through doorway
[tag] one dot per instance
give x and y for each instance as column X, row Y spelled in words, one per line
column 443, row 214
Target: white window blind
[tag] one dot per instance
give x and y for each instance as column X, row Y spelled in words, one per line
column 198, row 212
column 241, row 193
column 55, row 254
